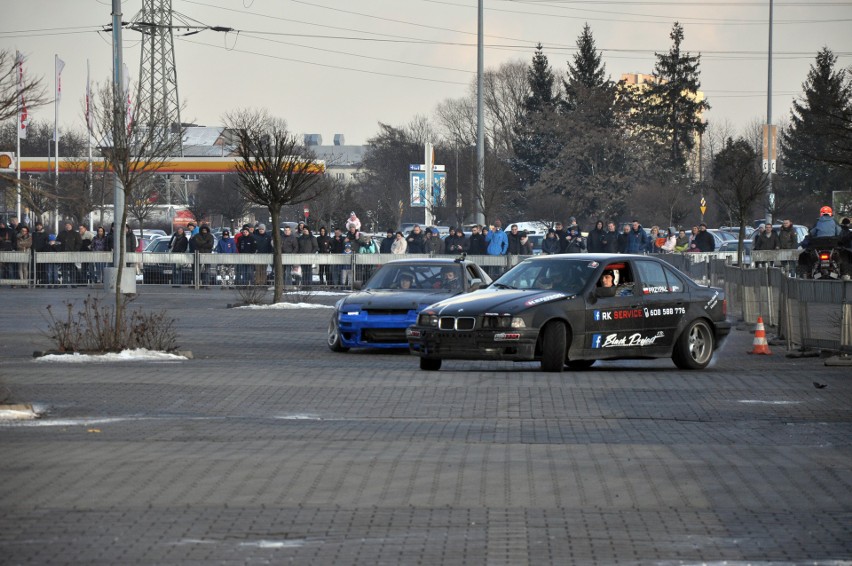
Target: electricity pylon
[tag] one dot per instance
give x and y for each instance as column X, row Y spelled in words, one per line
column 159, row 104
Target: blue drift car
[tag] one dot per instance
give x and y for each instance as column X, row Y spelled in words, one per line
column 378, row 314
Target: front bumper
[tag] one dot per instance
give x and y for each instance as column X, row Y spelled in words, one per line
column 503, row 344
column 364, row 330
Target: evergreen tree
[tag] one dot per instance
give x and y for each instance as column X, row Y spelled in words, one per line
column 817, row 146
column 533, row 145
column 669, row 112
column 542, row 97
column 587, row 72
column 593, row 172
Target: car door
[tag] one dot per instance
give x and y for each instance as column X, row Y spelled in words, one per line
column 615, row 324
column 665, row 299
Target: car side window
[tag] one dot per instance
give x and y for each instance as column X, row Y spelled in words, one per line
column 653, row 277
column 676, row 284
column 622, row 279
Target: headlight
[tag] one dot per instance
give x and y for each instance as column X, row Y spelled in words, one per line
column 427, row 320
column 504, row 321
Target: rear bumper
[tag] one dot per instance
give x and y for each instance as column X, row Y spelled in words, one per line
column 722, row 329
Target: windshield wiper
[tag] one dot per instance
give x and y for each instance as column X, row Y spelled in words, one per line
column 503, row 286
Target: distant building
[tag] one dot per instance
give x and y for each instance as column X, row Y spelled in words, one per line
column 341, row 161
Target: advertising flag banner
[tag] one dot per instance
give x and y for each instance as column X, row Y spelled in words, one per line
column 23, row 118
column 88, row 100
column 60, row 64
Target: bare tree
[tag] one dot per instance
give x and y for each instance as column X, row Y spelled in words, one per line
column 275, row 169
column 221, row 195
column 738, row 183
column 135, row 152
column 32, row 89
column 456, row 119
column 504, row 92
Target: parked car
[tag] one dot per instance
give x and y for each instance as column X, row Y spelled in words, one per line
column 555, row 309
column 378, row 314
column 731, row 246
column 154, row 272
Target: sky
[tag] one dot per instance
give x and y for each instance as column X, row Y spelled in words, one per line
column 344, row 66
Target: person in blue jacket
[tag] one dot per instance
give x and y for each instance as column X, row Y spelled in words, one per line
column 498, row 241
column 637, row 240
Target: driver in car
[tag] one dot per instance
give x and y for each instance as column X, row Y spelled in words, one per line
column 406, row 281
column 449, row 280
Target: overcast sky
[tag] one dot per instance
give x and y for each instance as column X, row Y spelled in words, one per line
column 343, row 66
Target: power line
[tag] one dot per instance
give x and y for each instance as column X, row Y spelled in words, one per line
column 667, row 20
column 325, row 65
column 407, row 63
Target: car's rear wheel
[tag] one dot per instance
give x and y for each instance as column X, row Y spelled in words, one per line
column 580, row 365
column 334, row 343
column 430, row 364
column 553, row 342
column 694, row 348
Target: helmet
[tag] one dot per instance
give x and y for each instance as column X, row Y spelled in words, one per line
column 826, row 210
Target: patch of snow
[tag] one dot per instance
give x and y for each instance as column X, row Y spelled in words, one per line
column 319, row 293
column 760, row 402
column 286, row 306
column 139, row 354
column 299, row 417
column 16, row 414
column 275, row 543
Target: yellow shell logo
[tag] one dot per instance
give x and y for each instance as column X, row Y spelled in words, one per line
column 5, row 161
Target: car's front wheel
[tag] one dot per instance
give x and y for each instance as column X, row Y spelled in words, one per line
column 694, row 348
column 430, row 364
column 334, row 343
column 554, row 340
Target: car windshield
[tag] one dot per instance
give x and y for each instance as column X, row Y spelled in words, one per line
column 566, row 275
column 406, row 277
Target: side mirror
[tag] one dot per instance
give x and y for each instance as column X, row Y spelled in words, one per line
column 475, row 284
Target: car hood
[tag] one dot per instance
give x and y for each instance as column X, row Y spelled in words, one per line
column 497, row 301
column 392, row 299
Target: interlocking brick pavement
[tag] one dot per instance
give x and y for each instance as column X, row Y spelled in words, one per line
column 269, row 448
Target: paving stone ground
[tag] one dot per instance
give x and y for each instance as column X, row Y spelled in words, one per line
column 269, row 448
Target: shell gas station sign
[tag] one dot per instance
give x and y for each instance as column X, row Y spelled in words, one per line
column 7, row 161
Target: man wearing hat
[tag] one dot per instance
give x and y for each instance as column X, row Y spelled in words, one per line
column 263, row 241
column 387, row 242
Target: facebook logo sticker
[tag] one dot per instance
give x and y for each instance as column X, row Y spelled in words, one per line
column 596, row 340
column 597, row 315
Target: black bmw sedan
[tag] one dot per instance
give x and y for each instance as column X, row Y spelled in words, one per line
column 572, row 310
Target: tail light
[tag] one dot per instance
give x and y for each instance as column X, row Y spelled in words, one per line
column 824, row 256
column 724, row 307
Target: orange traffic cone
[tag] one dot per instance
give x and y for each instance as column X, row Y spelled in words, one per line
column 761, row 346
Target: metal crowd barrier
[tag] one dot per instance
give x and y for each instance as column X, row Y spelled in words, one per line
column 197, row 270
column 697, row 265
column 806, row 313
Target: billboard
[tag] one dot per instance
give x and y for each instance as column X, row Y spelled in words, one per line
column 417, row 183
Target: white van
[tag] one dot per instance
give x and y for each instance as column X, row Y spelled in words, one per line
column 530, row 227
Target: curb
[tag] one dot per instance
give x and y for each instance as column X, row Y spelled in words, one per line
column 841, row 360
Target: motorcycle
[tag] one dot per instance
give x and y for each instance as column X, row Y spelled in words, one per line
column 823, row 258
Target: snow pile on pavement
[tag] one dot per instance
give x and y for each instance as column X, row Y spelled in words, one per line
column 17, row 413
column 316, row 293
column 285, row 306
column 140, row 354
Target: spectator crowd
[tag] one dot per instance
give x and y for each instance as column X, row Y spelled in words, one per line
column 493, row 240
